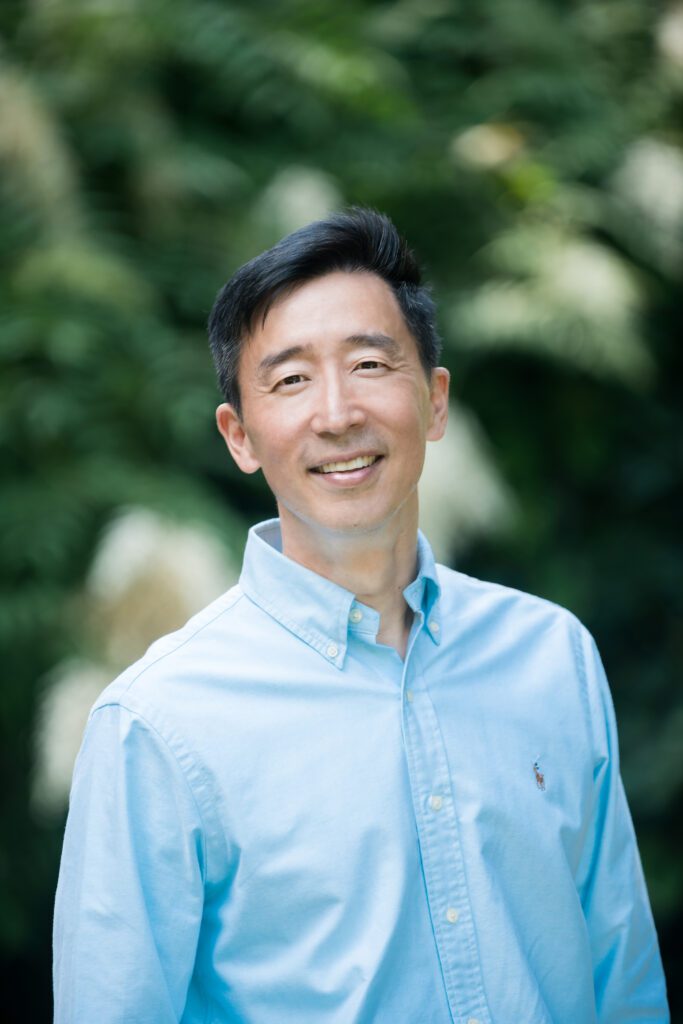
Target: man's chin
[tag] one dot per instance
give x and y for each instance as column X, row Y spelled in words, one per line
column 338, row 524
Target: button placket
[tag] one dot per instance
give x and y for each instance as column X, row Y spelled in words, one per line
column 442, row 858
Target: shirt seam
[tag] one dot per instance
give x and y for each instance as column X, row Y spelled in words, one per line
column 576, row 630
column 153, row 728
column 181, row 643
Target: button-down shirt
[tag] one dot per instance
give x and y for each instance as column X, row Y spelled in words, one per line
column 274, row 818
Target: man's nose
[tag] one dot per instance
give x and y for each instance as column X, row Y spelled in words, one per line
column 337, row 406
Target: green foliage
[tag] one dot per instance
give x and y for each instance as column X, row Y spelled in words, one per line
column 530, row 150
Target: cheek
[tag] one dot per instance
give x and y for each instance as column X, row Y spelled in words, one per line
column 271, row 439
column 413, row 418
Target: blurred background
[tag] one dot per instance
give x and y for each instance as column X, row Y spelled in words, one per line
column 531, row 151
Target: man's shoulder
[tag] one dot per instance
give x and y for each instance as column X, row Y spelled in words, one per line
column 468, row 596
column 520, row 636
column 205, row 645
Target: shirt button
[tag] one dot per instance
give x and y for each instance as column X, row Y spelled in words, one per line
column 436, row 802
column 332, row 651
column 355, row 615
column 410, row 696
column 452, row 916
column 472, row 1020
column 434, row 626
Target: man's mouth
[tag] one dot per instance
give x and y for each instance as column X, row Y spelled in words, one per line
column 347, row 466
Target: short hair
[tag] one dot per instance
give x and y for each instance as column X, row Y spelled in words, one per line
column 357, row 239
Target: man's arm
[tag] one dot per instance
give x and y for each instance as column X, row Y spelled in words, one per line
column 628, row 975
column 130, row 893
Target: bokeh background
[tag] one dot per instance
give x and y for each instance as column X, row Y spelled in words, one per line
column 532, row 152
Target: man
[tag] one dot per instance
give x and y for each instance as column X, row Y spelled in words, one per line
column 358, row 787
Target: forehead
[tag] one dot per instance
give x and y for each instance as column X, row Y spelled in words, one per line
column 329, row 309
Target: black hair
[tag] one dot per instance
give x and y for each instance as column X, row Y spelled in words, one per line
column 358, row 239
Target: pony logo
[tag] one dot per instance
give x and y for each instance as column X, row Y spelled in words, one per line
column 538, row 775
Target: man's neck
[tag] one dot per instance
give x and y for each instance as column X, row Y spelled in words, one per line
column 376, row 567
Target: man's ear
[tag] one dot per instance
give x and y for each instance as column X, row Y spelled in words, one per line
column 438, row 398
column 236, row 438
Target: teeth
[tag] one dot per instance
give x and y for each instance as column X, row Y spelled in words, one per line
column 344, row 467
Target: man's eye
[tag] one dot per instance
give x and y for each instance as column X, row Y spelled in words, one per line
column 293, row 378
column 369, row 364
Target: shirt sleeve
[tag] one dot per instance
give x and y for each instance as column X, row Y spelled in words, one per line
column 130, row 892
column 628, row 976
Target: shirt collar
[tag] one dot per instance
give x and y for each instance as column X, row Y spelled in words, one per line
column 313, row 607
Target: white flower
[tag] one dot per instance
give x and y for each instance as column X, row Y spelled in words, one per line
column 148, row 577
column 487, row 146
column 295, row 197
column 669, row 35
column 70, row 693
column 651, row 179
column 461, row 492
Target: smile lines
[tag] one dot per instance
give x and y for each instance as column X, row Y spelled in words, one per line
column 346, row 467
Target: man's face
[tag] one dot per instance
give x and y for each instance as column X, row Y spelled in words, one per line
column 336, row 407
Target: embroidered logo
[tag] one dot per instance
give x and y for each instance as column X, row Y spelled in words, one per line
column 538, row 774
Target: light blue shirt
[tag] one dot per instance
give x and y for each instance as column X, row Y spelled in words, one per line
column 276, row 820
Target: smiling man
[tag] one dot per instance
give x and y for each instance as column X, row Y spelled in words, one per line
column 335, row 407
column 359, row 787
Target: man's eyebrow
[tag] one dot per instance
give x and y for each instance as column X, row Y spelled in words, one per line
column 270, row 362
column 375, row 340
